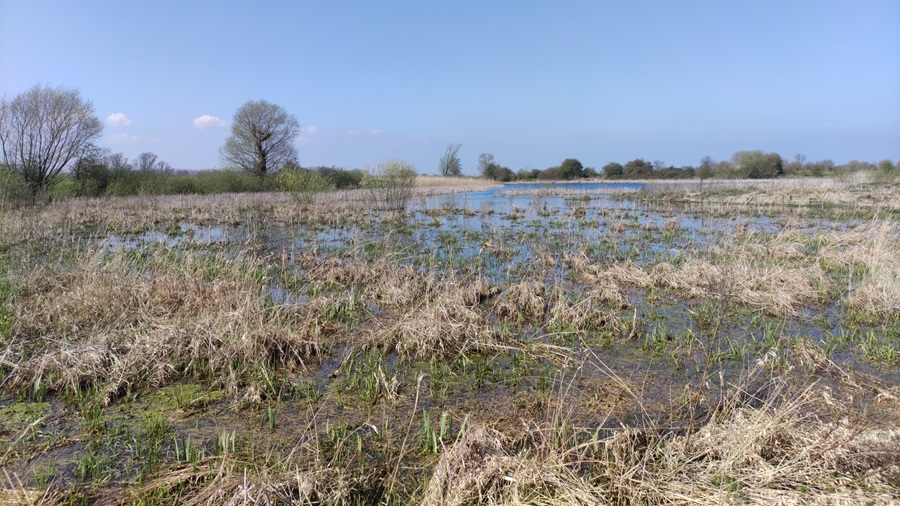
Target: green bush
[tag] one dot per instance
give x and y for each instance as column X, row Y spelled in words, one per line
column 613, row 170
column 122, row 185
column 498, row 172
column 13, row 189
column 230, row 181
column 341, row 179
column 62, row 188
column 303, row 185
column 390, row 184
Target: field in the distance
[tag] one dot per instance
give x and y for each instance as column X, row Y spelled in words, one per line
column 715, row 343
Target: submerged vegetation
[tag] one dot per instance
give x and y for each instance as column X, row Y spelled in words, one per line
column 450, row 344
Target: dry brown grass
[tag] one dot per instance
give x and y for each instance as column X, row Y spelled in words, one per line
column 774, row 453
column 777, row 273
column 140, row 213
column 229, row 481
column 107, row 320
column 525, row 299
column 456, row 184
column 424, row 313
column 873, row 247
column 447, row 320
column 773, row 289
column 852, row 191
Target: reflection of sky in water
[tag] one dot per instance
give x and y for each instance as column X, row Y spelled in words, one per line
column 507, row 238
column 499, row 233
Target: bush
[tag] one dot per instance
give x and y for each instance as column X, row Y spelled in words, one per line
column 638, row 169
column 123, row 184
column 613, row 170
column 528, row 174
column 230, row 181
column 550, row 174
column 341, row 179
column 498, row 173
column 571, row 168
column 62, row 188
column 758, row 164
column 303, row 185
column 91, row 176
column 390, row 184
column 13, row 189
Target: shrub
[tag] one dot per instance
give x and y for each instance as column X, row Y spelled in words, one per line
column 13, row 189
column 758, row 164
column 613, row 170
column 341, row 179
column 528, row 174
column 390, row 184
column 123, row 184
column 91, row 176
column 62, row 188
column 550, row 174
column 498, row 173
column 303, row 185
column 571, row 168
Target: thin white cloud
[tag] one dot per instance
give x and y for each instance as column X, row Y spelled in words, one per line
column 206, row 121
column 118, row 119
column 310, row 130
column 376, row 132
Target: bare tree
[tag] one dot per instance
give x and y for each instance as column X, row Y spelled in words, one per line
column 707, row 167
column 450, row 164
column 262, row 139
column 45, row 130
column 798, row 163
column 118, row 162
column 484, row 161
column 146, row 162
column 164, row 168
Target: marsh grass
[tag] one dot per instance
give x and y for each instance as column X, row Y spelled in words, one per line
column 778, row 274
column 749, row 449
column 128, row 320
column 841, row 195
column 526, row 361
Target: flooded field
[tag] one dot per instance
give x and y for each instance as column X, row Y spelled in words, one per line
column 591, row 343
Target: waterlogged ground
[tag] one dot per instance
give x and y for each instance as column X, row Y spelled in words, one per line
column 363, row 349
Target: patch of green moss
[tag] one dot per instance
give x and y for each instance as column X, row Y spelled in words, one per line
column 20, row 414
column 171, row 402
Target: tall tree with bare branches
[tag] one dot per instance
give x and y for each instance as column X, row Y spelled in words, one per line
column 450, row 164
column 43, row 131
column 262, row 139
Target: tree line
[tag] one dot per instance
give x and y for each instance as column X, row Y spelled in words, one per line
column 755, row 164
column 47, row 132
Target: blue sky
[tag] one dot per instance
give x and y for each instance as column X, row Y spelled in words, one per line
column 531, row 82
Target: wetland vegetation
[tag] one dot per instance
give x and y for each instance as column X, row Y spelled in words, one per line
column 526, row 344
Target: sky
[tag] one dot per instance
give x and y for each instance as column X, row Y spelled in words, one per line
column 531, row 82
